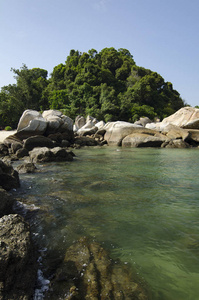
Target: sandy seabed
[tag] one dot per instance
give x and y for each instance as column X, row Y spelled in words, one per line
column 4, row 134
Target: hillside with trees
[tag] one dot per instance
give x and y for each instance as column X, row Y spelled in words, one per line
column 107, row 85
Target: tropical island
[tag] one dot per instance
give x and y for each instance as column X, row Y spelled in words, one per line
column 107, row 85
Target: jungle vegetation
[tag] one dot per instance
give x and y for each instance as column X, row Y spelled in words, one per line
column 107, row 85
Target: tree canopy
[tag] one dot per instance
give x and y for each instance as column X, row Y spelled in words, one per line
column 107, row 85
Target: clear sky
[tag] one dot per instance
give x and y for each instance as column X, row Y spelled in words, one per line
column 161, row 35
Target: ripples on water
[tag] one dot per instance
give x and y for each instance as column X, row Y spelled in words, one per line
column 141, row 204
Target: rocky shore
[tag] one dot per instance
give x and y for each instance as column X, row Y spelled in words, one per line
column 87, row 271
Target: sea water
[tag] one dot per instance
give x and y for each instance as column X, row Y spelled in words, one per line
column 140, row 204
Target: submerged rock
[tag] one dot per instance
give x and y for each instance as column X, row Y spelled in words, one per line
column 17, row 259
column 89, row 273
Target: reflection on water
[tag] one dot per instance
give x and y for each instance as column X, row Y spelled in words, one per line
column 141, row 204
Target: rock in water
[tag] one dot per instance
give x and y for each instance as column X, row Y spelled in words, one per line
column 37, row 141
column 6, row 203
column 44, row 154
column 143, row 140
column 26, row 168
column 17, row 259
column 117, row 131
column 9, row 178
column 89, row 273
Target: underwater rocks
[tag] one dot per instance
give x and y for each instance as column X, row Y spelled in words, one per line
column 89, row 273
column 18, row 266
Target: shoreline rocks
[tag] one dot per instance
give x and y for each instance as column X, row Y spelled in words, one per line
column 18, row 266
column 60, row 132
column 18, row 256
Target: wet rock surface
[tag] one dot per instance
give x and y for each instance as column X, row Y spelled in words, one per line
column 9, row 178
column 44, row 154
column 38, row 141
column 26, row 168
column 6, row 203
column 89, row 273
column 17, row 259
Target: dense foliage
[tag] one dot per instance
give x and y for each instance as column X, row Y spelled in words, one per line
column 107, row 85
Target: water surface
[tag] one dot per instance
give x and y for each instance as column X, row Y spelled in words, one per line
column 141, row 204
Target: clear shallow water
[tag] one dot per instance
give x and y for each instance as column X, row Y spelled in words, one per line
column 141, row 204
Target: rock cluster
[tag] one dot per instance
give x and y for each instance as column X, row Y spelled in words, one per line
column 177, row 131
column 35, row 131
column 17, row 254
column 89, row 273
column 53, row 129
column 180, row 130
column 17, row 259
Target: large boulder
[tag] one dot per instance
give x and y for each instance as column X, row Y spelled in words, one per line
column 61, row 154
column 13, row 142
column 186, row 117
column 44, row 154
column 89, row 128
column 22, row 152
column 158, row 126
column 17, row 259
column 143, row 140
column 92, row 119
column 175, row 132
column 26, row 168
column 143, row 121
column 41, row 154
column 85, row 141
column 193, row 135
column 9, row 178
column 80, row 121
column 3, row 150
column 178, row 143
column 89, row 273
column 37, row 141
column 57, row 122
column 117, row 131
column 30, row 123
column 6, row 203
column 100, row 125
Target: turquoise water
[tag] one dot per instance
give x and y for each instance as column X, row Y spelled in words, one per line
column 141, row 204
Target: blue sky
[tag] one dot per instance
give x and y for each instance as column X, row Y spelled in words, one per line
column 161, row 35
